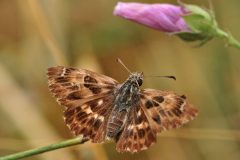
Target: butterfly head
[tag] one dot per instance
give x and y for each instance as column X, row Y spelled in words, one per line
column 136, row 77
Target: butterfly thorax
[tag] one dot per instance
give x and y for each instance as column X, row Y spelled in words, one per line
column 127, row 96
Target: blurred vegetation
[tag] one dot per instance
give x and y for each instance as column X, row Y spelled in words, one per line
column 37, row 34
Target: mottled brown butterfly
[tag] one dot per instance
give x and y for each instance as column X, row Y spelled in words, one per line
column 99, row 108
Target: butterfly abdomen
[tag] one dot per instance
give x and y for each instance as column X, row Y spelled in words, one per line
column 115, row 123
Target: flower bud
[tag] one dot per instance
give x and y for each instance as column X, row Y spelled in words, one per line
column 163, row 17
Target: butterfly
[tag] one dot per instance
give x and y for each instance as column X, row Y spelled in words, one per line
column 99, row 108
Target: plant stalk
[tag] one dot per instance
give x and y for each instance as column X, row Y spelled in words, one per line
column 231, row 40
column 32, row 152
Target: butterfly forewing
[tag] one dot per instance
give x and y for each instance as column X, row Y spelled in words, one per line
column 70, row 84
column 166, row 110
column 87, row 97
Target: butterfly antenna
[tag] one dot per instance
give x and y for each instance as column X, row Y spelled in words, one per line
column 119, row 61
column 170, row 77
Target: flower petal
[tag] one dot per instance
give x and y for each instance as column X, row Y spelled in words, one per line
column 163, row 17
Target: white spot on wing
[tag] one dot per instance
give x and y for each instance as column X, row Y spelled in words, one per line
column 108, row 138
column 100, row 102
column 130, row 127
column 182, row 106
column 88, row 110
column 144, row 147
column 101, row 118
column 63, row 72
column 142, row 125
column 83, row 107
column 139, row 113
column 95, row 116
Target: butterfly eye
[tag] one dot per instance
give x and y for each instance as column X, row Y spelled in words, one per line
column 140, row 81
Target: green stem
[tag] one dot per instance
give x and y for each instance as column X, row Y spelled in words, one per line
column 31, row 152
column 231, row 40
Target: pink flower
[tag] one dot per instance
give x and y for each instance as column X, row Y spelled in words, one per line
column 163, row 17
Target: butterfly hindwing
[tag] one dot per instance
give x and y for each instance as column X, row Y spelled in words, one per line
column 166, row 110
column 87, row 97
column 90, row 118
column 137, row 134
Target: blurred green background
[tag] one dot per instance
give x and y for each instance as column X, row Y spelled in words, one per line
column 37, row 34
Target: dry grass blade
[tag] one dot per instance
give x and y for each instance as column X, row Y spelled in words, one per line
column 40, row 20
